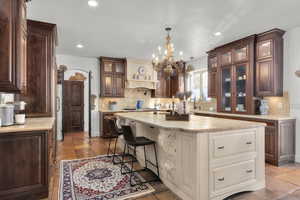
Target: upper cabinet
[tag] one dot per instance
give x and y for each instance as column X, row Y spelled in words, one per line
column 244, row 69
column 41, row 68
column 269, row 63
column 112, row 76
column 13, row 32
column 167, row 87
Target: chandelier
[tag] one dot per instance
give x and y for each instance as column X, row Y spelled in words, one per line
column 164, row 60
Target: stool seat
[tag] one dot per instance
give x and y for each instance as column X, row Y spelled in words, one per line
column 141, row 141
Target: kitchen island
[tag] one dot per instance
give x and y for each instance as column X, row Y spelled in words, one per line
column 206, row 158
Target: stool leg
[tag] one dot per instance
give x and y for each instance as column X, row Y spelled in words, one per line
column 108, row 150
column 155, row 152
column 145, row 155
column 131, row 171
column 123, row 155
column 115, row 149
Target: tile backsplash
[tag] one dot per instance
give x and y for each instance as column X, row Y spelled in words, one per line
column 131, row 97
column 279, row 105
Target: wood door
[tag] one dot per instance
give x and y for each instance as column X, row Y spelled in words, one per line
column 73, row 106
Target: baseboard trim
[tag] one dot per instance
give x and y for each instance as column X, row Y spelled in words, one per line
column 297, row 158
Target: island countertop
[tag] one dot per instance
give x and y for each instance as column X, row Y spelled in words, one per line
column 32, row 124
column 197, row 124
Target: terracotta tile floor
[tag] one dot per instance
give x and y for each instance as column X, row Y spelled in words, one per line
column 282, row 183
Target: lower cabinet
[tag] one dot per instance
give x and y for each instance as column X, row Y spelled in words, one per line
column 26, row 160
column 279, row 137
column 104, row 126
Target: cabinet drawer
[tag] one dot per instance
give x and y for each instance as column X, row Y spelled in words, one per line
column 234, row 174
column 233, row 144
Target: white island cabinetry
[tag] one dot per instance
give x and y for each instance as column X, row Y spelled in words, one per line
column 205, row 158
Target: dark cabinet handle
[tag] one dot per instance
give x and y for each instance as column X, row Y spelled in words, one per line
column 249, row 171
column 221, row 147
column 221, row 179
column 248, row 142
column 151, row 127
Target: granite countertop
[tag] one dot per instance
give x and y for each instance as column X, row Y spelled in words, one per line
column 32, row 124
column 140, row 110
column 197, row 124
column 264, row 117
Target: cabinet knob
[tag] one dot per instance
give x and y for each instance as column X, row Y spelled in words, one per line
column 221, row 147
column 221, row 179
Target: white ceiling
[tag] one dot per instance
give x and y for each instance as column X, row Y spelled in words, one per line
column 134, row 28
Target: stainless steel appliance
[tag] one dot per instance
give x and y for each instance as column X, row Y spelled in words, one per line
column 7, row 114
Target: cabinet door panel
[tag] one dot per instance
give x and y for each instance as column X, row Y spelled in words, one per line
column 27, row 153
column 108, row 84
column 213, row 62
column 119, row 85
column 270, row 140
column 241, row 54
column 212, row 83
column 226, row 98
column 226, row 58
column 241, row 85
column 264, row 78
column 264, row 49
column 119, row 67
column 39, row 65
column 11, row 46
column 108, row 66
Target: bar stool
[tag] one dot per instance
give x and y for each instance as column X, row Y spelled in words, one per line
column 115, row 133
column 134, row 142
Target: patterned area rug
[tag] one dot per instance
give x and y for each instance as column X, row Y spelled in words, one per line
column 97, row 179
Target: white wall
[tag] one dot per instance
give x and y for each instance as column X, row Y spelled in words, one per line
column 82, row 65
column 291, row 81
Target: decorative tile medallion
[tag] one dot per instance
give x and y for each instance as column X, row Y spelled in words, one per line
column 97, row 179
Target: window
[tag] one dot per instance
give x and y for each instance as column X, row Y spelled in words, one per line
column 197, row 82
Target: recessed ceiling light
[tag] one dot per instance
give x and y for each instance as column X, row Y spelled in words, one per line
column 79, row 46
column 93, row 3
column 218, row 34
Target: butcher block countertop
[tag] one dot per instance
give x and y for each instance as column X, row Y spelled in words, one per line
column 197, row 124
column 32, row 124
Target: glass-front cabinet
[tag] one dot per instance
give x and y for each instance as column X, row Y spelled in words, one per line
column 240, row 103
column 226, row 89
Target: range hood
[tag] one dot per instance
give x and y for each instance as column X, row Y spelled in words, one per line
column 140, row 74
column 144, row 84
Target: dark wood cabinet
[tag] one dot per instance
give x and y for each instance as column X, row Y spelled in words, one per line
column 13, row 31
column 231, row 76
column 162, row 86
column 244, row 69
column 279, row 137
column 27, row 159
column 167, row 87
column 269, row 63
column 212, row 83
column 41, row 43
column 112, row 77
column 104, row 126
column 212, row 74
